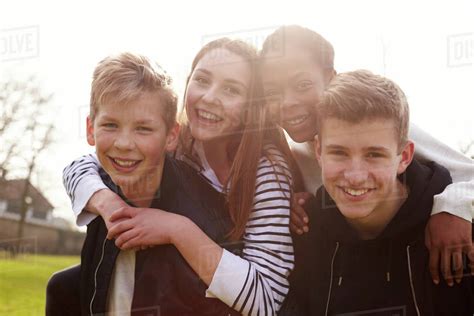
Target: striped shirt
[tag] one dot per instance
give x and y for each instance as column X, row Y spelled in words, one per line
column 255, row 283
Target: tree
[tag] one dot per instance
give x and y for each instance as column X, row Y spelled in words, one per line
column 26, row 131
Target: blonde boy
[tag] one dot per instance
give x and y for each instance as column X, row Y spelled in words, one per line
column 367, row 255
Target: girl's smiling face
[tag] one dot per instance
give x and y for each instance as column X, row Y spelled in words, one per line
column 217, row 92
column 293, row 83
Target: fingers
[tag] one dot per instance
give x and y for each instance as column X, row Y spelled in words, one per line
column 300, row 211
column 295, row 229
column 298, row 223
column 121, row 213
column 457, row 264
column 298, row 218
column 470, row 256
column 303, row 195
column 119, row 229
column 123, row 241
column 428, row 243
column 446, row 266
column 134, row 242
column 434, row 264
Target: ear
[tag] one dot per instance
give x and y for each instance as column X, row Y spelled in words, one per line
column 317, row 149
column 172, row 138
column 406, row 156
column 90, row 131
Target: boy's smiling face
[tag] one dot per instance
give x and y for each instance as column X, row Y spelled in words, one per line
column 360, row 163
column 131, row 142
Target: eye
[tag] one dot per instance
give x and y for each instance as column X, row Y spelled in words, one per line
column 201, row 80
column 232, row 90
column 374, row 155
column 338, row 153
column 144, row 129
column 109, row 125
column 304, row 85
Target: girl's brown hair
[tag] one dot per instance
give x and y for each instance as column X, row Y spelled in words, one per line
column 247, row 145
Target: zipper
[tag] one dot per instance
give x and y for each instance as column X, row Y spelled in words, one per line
column 95, row 276
column 411, row 281
column 330, row 279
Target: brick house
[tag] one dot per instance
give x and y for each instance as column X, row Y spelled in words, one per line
column 42, row 232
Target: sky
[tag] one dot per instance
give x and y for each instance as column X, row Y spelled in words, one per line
column 427, row 47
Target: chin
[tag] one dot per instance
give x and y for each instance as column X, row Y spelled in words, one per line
column 302, row 135
column 354, row 213
column 298, row 137
column 124, row 181
column 356, row 210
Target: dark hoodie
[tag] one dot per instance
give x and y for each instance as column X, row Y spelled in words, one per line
column 165, row 284
column 337, row 273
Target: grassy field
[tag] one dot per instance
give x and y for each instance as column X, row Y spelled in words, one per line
column 23, row 282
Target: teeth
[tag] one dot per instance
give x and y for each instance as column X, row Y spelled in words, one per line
column 208, row 116
column 356, row 192
column 124, row 163
column 297, row 120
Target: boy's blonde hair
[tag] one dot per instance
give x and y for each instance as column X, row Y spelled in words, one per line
column 359, row 95
column 124, row 77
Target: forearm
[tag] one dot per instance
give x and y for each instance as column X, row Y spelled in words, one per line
column 104, row 202
column 458, row 197
column 428, row 148
column 81, row 180
column 199, row 251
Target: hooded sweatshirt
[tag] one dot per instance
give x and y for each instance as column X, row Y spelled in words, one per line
column 337, row 273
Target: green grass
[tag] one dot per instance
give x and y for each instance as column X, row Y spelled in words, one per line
column 23, row 282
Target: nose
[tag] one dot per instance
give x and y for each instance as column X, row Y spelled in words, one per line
column 124, row 141
column 289, row 99
column 211, row 95
column 356, row 173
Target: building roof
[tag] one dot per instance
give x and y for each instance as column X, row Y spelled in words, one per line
column 13, row 190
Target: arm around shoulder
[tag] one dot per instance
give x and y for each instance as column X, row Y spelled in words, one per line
column 458, row 197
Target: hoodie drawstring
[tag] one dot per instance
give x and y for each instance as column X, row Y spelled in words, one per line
column 411, row 281
column 389, row 262
column 95, row 276
column 331, row 276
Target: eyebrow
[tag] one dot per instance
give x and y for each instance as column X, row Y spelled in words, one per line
column 370, row 148
column 147, row 121
column 107, row 118
column 331, row 146
column 110, row 118
column 227, row 80
column 377, row 148
column 299, row 74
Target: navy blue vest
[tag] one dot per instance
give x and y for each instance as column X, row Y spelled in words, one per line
column 164, row 283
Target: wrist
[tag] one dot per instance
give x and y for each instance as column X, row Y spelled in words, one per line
column 179, row 227
column 104, row 202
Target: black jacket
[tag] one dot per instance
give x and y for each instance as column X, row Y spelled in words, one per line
column 338, row 273
column 164, row 283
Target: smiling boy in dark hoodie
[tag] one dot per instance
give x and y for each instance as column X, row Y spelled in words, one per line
column 367, row 255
